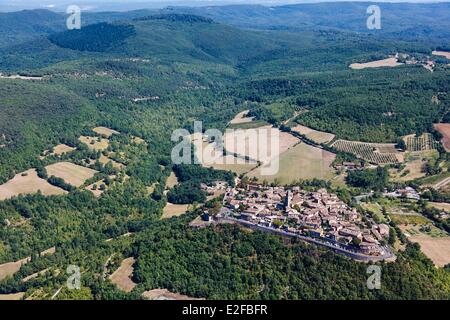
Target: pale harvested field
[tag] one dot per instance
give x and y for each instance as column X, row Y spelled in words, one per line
column 233, row 167
column 389, row 62
column 107, row 132
column 174, row 210
column 164, row 294
column 72, row 174
column 220, row 162
column 10, row 268
column 61, row 149
column 435, row 248
column 122, row 276
column 241, row 118
column 28, row 184
column 301, row 162
column 442, row 53
column 104, row 160
column 440, row 206
column 97, row 192
column 444, row 129
column 415, row 171
column 314, row 135
column 13, row 296
column 172, row 181
column 138, row 140
column 244, row 143
column 99, row 144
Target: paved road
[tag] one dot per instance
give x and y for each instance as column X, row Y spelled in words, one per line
column 334, row 246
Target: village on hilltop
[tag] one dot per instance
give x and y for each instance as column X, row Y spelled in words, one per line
column 318, row 215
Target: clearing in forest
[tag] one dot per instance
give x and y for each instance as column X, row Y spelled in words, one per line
column 164, row 294
column 104, row 160
column 122, row 276
column 174, row 210
column 103, row 131
column 28, row 182
column 442, row 54
column 300, row 162
column 318, row 137
column 389, row 62
column 241, row 117
column 95, row 143
column 172, row 181
column 72, row 174
column 10, row 268
column 444, row 129
column 13, row 296
column 61, row 149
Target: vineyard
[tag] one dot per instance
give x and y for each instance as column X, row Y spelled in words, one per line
column 423, row 143
column 377, row 153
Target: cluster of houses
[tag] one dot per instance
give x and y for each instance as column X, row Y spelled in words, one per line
column 315, row 214
column 406, row 193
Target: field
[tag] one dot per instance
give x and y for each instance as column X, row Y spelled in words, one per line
column 28, row 182
column 221, row 162
column 423, row 143
column 375, row 209
column 437, row 249
column 122, row 276
column 14, row 296
column 314, row 135
column 440, row 206
column 300, row 162
column 241, row 118
column 72, row 174
column 10, row 268
column 61, row 149
column 444, row 129
column 230, row 164
column 442, row 54
column 172, row 181
column 174, row 210
column 413, row 167
column 104, row 160
column 243, row 143
column 96, row 191
column 93, row 143
column 164, row 294
column 389, row 62
column 103, row 131
column 378, row 153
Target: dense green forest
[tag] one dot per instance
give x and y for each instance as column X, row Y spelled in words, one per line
column 151, row 74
